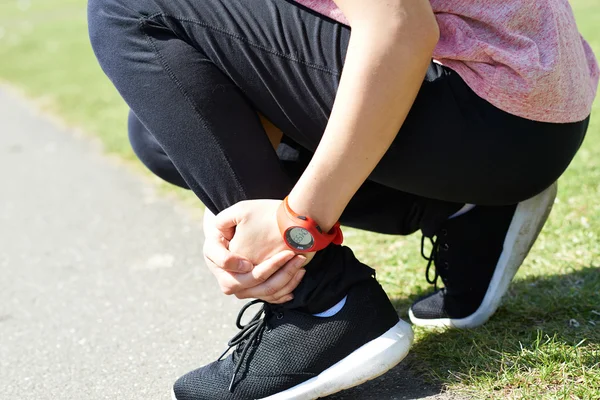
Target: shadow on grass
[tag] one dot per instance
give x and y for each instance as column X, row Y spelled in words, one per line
column 542, row 320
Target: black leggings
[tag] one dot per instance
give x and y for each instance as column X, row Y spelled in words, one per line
column 195, row 74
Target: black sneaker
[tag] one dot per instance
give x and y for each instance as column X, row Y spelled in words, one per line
column 477, row 255
column 285, row 354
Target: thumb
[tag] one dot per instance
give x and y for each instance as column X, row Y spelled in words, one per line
column 226, row 221
column 216, row 251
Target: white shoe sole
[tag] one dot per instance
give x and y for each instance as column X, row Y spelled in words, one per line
column 528, row 220
column 365, row 363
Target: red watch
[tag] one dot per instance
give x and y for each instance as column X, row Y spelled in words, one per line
column 302, row 234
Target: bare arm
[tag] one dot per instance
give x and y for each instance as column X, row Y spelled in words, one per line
column 390, row 48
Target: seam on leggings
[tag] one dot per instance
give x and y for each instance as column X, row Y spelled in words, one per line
column 186, row 96
column 248, row 42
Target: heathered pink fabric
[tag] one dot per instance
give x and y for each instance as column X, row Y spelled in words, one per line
column 526, row 57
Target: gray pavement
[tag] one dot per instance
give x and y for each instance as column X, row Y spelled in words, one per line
column 103, row 292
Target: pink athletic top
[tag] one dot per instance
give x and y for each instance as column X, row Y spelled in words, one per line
column 525, row 57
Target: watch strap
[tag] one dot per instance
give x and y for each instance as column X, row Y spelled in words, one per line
column 322, row 239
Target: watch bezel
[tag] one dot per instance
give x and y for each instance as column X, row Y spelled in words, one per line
column 296, row 245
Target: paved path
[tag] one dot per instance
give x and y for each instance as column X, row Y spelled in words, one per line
column 103, row 294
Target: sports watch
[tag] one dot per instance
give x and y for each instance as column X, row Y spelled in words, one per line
column 302, row 234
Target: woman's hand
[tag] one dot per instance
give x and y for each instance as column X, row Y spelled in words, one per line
column 252, row 230
column 246, row 253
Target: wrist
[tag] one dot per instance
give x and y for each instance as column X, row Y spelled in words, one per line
column 302, row 233
column 322, row 212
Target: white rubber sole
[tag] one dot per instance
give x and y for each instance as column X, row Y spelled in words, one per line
column 363, row 364
column 528, row 220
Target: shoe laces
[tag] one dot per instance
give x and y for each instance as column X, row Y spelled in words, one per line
column 433, row 257
column 249, row 333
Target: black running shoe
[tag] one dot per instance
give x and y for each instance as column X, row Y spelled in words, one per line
column 477, row 255
column 284, row 354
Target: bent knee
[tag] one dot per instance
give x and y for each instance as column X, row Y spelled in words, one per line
column 151, row 153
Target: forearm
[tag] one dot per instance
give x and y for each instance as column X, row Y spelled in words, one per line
column 384, row 69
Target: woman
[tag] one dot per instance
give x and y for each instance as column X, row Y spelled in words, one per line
column 466, row 148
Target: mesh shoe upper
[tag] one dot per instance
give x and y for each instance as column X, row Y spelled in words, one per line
column 431, row 306
column 292, row 348
column 465, row 255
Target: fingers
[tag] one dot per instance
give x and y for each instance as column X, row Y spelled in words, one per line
column 273, row 280
column 232, row 283
column 216, row 247
column 285, row 263
column 284, row 295
column 279, row 285
column 216, row 250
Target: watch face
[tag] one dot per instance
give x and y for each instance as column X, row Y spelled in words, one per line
column 299, row 238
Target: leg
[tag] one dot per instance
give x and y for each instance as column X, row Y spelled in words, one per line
column 196, row 78
column 469, row 155
column 151, row 153
column 170, row 72
column 197, row 81
column 154, row 157
column 374, row 207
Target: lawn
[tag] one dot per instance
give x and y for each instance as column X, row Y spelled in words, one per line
column 544, row 342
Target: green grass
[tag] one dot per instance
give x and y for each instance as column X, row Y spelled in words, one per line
column 544, row 342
